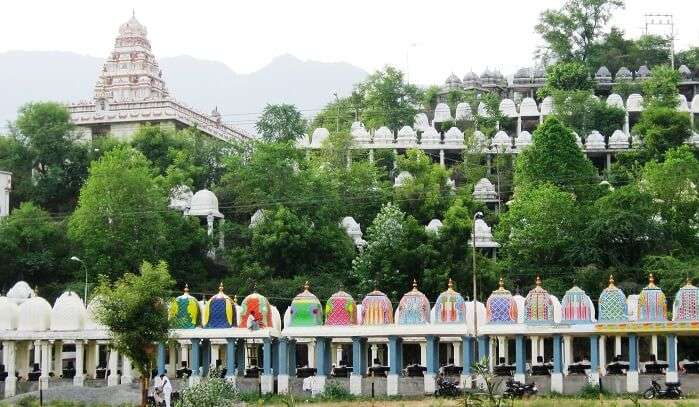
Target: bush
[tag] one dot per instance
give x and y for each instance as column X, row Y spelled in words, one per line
column 335, row 391
column 212, row 392
column 591, row 391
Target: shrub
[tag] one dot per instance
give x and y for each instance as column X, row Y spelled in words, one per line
column 335, row 391
column 212, row 392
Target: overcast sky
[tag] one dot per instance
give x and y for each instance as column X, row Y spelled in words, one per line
column 448, row 36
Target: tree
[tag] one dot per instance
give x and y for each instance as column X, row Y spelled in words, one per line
column 118, row 223
column 660, row 89
column 566, row 76
column 157, row 144
column 583, row 113
column 689, row 57
column 388, row 100
column 134, row 310
column 571, row 32
column 662, row 128
column 615, row 51
column 555, row 158
column 340, row 113
column 280, row 122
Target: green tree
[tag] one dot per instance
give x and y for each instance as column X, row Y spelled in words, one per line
column 280, row 122
column 388, row 99
column 567, row 77
column 157, row 144
column 571, row 31
column 555, row 158
column 689, row 57
column 662, row 128
column 615, row 51
column 583, row 113
column 340, row 113
column 660, row 89
column 134, row 310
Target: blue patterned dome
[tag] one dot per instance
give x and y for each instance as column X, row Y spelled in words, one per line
column 184, row 311
column 612, row 304
column 576, row 307
column 538, row 306
column 414, row 308
column 652, row 304
column 450, row 306
column 686, row 305
column 501, row 307
column 219, row 311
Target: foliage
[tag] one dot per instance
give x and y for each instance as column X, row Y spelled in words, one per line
column 388, row 100
column 136, row 314
column 582, row 113
column 336, row 392
column 567, row 77
column 662, row 128
column 571, row 32
column 555, row 158
column 615, row 51
column 488, row 123
column 430, row 98
column 280, row 122
column 211, row 392
column 33, row 247
column 689, row 57
column 660, row 89
column 340, row 113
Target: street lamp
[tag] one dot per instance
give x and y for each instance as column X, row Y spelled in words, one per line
column 74, row 258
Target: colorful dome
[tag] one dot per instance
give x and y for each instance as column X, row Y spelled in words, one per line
column 306, row 309
column 612, row 304
column 376, row 309
column 257, row 312
column 576, row 307
column 538, row 306
column 501, row 307
column 219, row 311
column 450, row 306
column 652, row 305
column 184, row 311
column 340, row 310
column 414, row 308
column 686, row 305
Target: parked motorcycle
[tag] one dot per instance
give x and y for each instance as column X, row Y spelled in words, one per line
column 671, row 391
column 514, row 388
column 447, row 388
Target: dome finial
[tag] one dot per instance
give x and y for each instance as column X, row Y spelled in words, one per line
column 688, row 280
column 306, row 286
column 36, row 290
column 611, row 281
column 220, row 287
column 538, row 280
column 235, row 299
column 450, row 285
column 501, row 283
column 186, row 288
column 651, row 280
column 414, row 285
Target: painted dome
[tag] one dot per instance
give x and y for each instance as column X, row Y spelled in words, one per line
column 204, row 203
column 612, row 304
column 68, row 313
column 20, row 292
column 34, row 315
column 652, row 305
column 376, row 309
column 184, row 311
column 501, row 307
column 576, row 307
column 686, row 305
column 306, row 309
column 219, row 311
column 450, row 306
column 414, row 308
column 340, row 310
column 8, row 314
column 257, row 312
column 538, row 305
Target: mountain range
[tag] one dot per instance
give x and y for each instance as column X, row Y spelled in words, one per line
column 27, row 76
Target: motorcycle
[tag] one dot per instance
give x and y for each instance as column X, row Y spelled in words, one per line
column 447, row 388
column 514, row 388
column 671, row 391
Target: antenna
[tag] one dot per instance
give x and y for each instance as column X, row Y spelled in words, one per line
column 666, row 20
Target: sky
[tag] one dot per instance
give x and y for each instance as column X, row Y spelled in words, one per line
column 427, row 39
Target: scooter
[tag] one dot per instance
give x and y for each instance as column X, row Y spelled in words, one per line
column 447, row 388
column 514, row 388
column 671, row 391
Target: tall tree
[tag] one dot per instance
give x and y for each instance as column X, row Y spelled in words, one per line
column 388, row 99
column 281, row 122
column 566, row 77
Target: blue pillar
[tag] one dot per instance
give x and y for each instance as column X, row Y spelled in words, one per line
column 240, row 358
column 483, row 347
column 358, row 360
column 671, row 341
column 292, row 356
column 520, row 354
column 432, row 354
column 633, row 352
column 557, row 360
column 267, row 356
column 283, row 356
column 594, row 353
column 323, row 356
column 467, row 354
column 395, row 346
column 161, row 358
column 275, row 356
column 230, row 357
column 205, row 357
column 195, row 363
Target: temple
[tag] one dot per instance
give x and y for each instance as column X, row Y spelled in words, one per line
column 130, row 92
column 370, row 345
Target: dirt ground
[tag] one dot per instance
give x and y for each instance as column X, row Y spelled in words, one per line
column 536, row 402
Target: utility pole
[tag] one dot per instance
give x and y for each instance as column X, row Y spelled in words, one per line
column 337, row 118
column 666, row 20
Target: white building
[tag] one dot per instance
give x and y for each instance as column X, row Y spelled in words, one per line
column 5, row 186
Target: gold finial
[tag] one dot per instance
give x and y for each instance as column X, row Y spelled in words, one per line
column 688, row 281
column 611, row 281
column 651, row 280
column 538, row 280
column 220, row 287
column 501, row 283
column 306, row 286
column 235, row 299
column 450, row 285
column 414, row 285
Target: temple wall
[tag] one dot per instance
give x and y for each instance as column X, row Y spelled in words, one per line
column 614, row 383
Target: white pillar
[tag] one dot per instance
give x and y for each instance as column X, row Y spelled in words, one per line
column 602, row 352
column 338, row 354
column 113, row 378
column 311, row 353
column 535, row 348
column 627, row 130
column 371, row 155
column 542, row 352
column 9, row 359
column 519, row 125
column 37, row 354
column 458, row 360
column 57, row 358
column 374, row 353
column 423, row 353
column 127, row 371
column 502, row 348
column 492, row 348
column 184, row 353
column 215, row 355
column 23, row 359
column 617, row 345
column 171, row 367
column 567, row 353
column 654, row 346
column 441, row 158
column 210, row 225
column 79, row 378
column 45, row 364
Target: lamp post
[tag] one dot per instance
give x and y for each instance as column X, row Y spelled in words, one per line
column 74, row 258
column 476, row 216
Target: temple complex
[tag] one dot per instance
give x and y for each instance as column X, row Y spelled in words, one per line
column 130, row 92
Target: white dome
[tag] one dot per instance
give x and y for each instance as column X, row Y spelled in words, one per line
column 482, row 111
column 547, row 106
column 434, row 226
column 319, row 135
column 8, row 314
column 463, row 112
column 204, row 203
column 634, row 103
column 682, row 105
column 615, row 100
column 276, row 318
column 402, row 178
column 90, row 317
column 430, row 136
column 359, row 133
column 578, row 140
column 695, row 104
column 595, row 141
column 68, row 313
column 34, row 315
column 508, row 108
column 180, row 198
column 454, row 136
column 442, row 113
column 303, row 141
column 528, row 108
column 502, row 141
column 523, row 140
column 406, row 136
column 383, row 136
column 421, row 122
column 484, row 191
column 257, row 218
column 20, row 292
column 480, row 311
column 619, row 139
